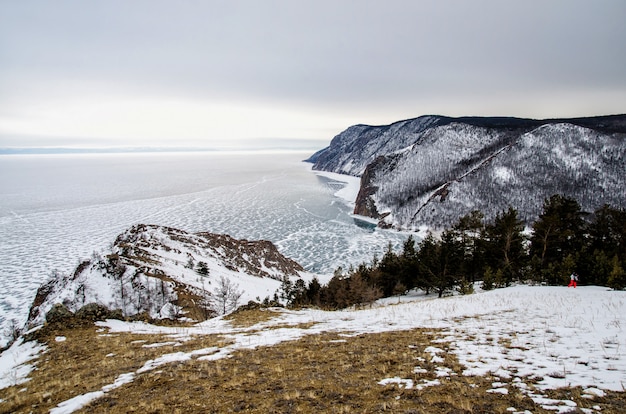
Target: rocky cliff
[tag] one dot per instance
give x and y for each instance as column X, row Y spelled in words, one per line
column 429, row 171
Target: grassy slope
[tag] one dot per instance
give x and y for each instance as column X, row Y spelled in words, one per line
column 327, row 372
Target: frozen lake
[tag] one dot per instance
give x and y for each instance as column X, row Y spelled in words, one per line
column 57, row 209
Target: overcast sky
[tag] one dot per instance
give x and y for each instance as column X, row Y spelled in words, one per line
column 190, row 72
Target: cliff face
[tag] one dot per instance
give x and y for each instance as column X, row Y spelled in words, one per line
column 433, row 170
column 166, row 273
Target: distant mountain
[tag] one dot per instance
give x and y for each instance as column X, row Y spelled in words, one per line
column 432, row 170
column 168, row 273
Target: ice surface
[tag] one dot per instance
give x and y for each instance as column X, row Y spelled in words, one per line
column 57, row 209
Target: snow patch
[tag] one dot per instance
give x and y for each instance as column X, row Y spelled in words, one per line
column 503, row 174
column 14, row 362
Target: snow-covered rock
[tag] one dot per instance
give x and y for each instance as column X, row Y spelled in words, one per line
column 166, row 272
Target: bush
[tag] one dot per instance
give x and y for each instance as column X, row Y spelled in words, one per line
column 488, row 280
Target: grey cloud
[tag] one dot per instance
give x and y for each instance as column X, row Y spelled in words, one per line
column 320, row 52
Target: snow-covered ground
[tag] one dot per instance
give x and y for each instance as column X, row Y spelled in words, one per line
column 552, row 336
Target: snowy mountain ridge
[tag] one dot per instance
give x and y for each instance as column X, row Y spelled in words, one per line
column 167, row 273
column 433, row 170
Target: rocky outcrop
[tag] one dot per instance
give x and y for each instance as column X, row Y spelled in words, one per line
column 164, row 272
column 364, row 205
column 259, row 258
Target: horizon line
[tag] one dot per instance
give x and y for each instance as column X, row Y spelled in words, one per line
column 144, row 149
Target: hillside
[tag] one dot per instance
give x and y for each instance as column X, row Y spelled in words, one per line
column 161, row 272
column 519, row 349
column 432, row 170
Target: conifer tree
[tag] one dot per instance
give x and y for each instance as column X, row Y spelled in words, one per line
column 607, row 239
column 488, row 279
column 504, row 245
column 468, row 232
column 440, row 262
column 313, row 292
column 559, row 232
column 409, row 264
column 389, row 273
column 617, row 277
column 427, row 263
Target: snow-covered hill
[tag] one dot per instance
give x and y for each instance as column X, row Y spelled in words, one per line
column 167, row 273
column 432, row 170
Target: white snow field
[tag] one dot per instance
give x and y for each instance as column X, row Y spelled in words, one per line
column 553, row 336
column 56, row 210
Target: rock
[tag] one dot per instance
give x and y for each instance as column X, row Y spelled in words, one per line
column 96, row 312
column 147, row 275
column 59, row 314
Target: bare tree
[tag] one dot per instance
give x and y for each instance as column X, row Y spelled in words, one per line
column 13, row 331
column 226, row 296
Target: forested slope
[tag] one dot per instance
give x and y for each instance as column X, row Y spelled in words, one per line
column 433, row 170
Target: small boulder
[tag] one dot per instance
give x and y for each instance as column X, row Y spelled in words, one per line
column 59, row 314
column 97, row 312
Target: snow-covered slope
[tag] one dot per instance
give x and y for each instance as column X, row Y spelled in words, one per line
column 351, row 151
column 528, row 339
column 166, row 272
column 433, row 170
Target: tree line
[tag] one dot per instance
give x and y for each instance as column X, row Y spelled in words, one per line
column 562, row 240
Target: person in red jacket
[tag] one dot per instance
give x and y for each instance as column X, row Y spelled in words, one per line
column 573, row 279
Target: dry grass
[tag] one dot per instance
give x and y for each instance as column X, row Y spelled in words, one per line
column 86, row 361
column 321, row 373
column 247, row 318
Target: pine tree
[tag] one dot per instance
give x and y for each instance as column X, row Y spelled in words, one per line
column 202, row 269
column 440, row 262
column 503, row 245
column 617, row 277
column 607, row 238
column 559, row 231
column 313, row 292
column 468, row 232
column 409, row 264
column 488, row 279
column 426, row 262
column 389, row 272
